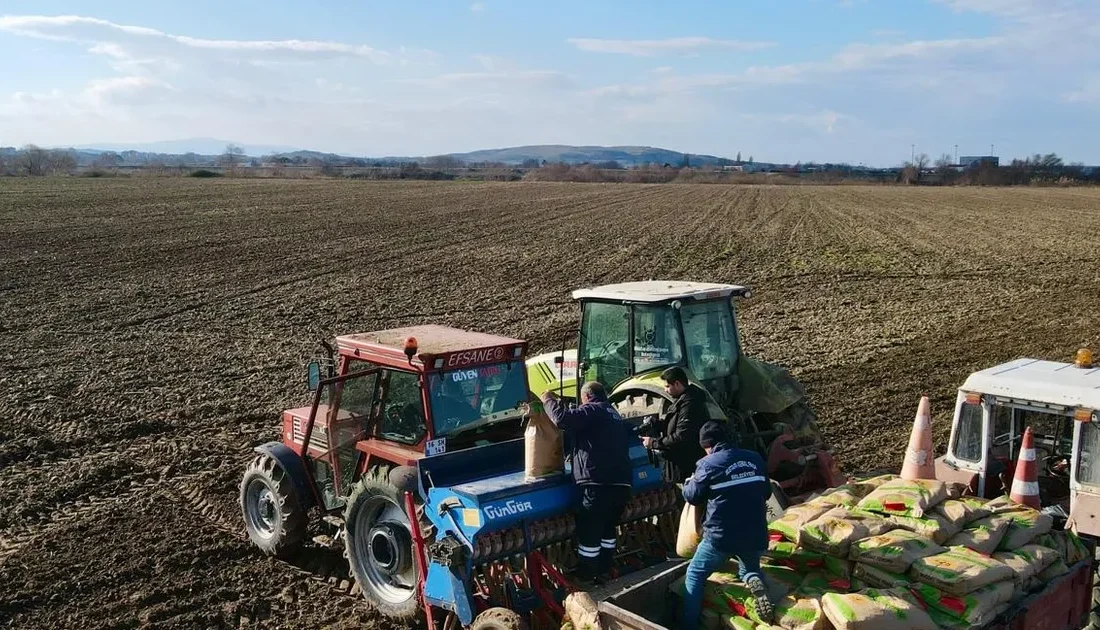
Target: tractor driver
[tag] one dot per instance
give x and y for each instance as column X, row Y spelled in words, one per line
column 602, row 470
column 451, row 407
column 679, row 444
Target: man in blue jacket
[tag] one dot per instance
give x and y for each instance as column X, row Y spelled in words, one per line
column 602, row 470
column 733, row 484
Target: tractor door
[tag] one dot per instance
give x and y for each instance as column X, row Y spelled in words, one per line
column 403, row 420
column 340, row 421
column 604, row 350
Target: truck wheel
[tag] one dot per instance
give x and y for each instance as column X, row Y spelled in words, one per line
column 499, row 619
column 270, row 509
column 379, row 546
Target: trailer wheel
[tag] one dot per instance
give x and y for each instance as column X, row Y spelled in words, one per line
column 272, row 517
column 499, row 619
column 379, row 546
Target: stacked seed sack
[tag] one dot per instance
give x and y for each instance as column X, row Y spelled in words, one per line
column 892, row 554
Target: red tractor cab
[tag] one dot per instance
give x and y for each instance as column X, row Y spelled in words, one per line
column 381, row 401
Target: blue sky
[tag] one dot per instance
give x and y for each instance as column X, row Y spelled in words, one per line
column 824, row 80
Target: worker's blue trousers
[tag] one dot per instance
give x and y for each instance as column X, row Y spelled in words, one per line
column 707, row 560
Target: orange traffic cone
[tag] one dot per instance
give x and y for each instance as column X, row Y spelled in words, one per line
column 1025, row 483
column 919, row 462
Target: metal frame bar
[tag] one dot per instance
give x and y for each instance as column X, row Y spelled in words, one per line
column 421, row 561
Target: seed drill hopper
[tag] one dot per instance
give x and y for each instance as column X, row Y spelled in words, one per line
column 503, row 541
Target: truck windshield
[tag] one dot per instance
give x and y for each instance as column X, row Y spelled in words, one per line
column 477, row 395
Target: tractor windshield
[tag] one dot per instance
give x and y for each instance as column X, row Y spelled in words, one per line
column 485, row 394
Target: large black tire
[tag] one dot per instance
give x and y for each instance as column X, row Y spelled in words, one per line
column 499, row 619
column 270, row 508
column 379, row 546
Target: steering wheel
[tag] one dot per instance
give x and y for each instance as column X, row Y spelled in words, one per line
column 1057, row 465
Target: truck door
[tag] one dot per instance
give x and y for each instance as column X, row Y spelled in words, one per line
column 967, row 455
column 1084, row 512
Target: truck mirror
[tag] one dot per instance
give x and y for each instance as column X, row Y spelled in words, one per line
column 313, row 375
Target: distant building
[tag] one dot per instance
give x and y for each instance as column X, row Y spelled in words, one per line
column 968, row 161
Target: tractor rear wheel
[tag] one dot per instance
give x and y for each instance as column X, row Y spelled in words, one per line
column 499, row 619
column 272, row 516
column 379, row 546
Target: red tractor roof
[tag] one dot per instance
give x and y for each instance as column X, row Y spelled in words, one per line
column 447, row 347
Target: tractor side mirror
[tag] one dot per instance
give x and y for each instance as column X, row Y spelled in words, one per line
column 313, row 375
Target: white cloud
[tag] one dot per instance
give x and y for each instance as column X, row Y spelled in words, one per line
column 654, row 47
column 479, row 7
column 106, row 36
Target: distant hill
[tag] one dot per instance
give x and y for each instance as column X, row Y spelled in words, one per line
column 205, row 152
column 627, row 156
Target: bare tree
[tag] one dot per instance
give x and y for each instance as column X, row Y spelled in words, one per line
column 232, row 157
column 107, row 159
column 33, row 160
column 442, row 161
column 61, row 161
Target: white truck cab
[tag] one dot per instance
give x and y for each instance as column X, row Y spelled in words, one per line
column 1061, row 404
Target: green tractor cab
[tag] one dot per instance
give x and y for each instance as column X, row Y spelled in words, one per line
column 633, row 331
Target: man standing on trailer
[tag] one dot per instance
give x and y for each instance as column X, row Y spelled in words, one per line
column 602, row 470
column 679, row 445
column 733, row 485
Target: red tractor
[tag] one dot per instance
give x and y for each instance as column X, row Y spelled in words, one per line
column 381, row 402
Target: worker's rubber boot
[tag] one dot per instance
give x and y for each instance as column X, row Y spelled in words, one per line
column 764, row 607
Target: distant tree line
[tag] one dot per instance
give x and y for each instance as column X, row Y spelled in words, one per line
column 1048, row 169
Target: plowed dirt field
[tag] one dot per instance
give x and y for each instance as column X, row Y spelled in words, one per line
column 151, row 330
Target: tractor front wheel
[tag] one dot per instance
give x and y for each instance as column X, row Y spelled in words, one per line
column 379, row 547
column 272, row 517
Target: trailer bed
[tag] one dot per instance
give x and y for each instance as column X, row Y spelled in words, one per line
column 642, row 601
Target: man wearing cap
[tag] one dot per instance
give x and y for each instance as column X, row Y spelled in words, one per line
column 602, row 470
column 733, row 485
column 679, row 446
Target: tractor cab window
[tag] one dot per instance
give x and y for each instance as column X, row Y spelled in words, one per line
column 656, row 338
column 968, row 433
column 710, row 337
column 605, row 329
column 1088, row 457
column 475, row 396
column 403, row 419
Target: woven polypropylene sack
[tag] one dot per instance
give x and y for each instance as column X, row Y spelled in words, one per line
column 794, row 518
column 904, row 497
column 976, row 608
column 893, row 551
column 1028, row 561
column 932, row 525
column 959, row 571
column 875, row 609
column 960, row 512
column 983, row 535
column 1027, row 523
column 877, row 578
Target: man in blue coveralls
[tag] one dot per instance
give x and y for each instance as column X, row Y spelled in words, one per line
column 733, row 485
column 602, row 470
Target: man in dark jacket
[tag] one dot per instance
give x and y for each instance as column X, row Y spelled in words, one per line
column 733, row 484
column 679, row 445
column 602, row 470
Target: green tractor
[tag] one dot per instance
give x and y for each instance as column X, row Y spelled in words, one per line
column 631, row 332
